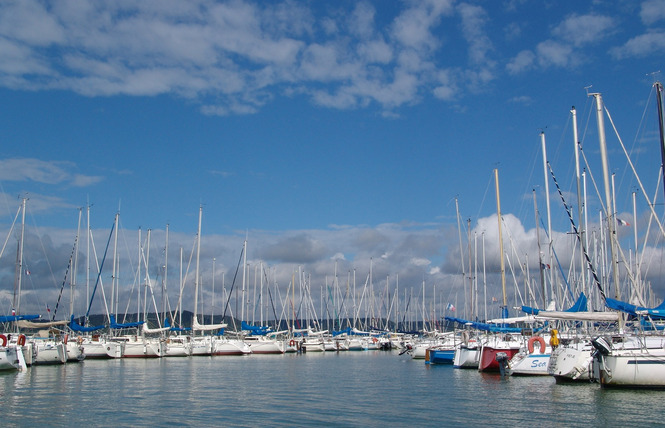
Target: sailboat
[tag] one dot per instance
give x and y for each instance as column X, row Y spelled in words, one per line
column 10, row 355
column 635, row 359
column 43, row 347
column 503, row 344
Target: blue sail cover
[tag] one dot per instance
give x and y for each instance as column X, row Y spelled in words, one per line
column 115, row 325
column 168, row 324
column 485, row 327
column 254, row 330
column 579, row 306
column 337, row 333
column 10, row 318
column 74, row 326
column 658, row 312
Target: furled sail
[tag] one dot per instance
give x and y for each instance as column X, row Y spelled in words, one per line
column 485, row 326
column 12, row 318
column 42, row 325
column 74, row 326
column 146, row 329
column 115, row 325
column 172, row 328
column 206, row 327
column 657, row 313
column 254, row 330
column 579, row 306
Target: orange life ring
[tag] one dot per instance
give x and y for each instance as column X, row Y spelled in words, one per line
column 21, row 340
column 533, row 340
column 292, row 342
column 374, row 339
column 4, row 340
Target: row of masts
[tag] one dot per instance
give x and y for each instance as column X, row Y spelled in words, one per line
column 598, row 253
column 338, row 303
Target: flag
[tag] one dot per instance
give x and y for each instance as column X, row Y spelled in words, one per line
column 27, row 272
column 622, row 222
column 544, row 266
column 494, row 300
column 48, row 309
column 13, row 311
column 450, row 307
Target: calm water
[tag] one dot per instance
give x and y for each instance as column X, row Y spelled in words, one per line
column 346, row 389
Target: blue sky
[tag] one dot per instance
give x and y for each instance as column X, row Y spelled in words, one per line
column 322, row 131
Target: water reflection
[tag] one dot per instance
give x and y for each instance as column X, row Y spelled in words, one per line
column 347, row 389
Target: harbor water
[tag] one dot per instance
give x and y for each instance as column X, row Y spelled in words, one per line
column 372, row 388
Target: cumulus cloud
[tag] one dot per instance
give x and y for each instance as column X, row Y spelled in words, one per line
column 642, row 45
column 233, row 57
column 53, row 172
column 584, row 29
column 652, row 11
column 564, row 48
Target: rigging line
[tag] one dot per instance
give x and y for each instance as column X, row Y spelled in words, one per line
column 593, row 180
column 41, row 244
column 9, row 234
column 579, row 238
column 64, row 280
column 640, row 128
column 632, row 167
column 235, row 276
column 99, row 273
column 272, row 304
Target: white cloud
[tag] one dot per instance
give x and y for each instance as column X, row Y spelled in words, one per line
column 522, row 99
column 524, row 61
column 474, row 20
column 642, row 45
column 552, row 53
column 232, row 57
column 652, row 11
column 30, row 169
column 584, row 29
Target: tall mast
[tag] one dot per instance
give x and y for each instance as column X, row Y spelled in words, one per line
column 244, row 269
column 87, row 260
column 549, row 215
column 484, row 277
column 609, row 214
column 196, row 276
column 473, row 297
column 501, row 256
column 19, row 264
column 461, row 254
column 166, row 271
column 577, row 143
column 114, row 278
column 540, row 253
column 72, row 283
column 659, row 94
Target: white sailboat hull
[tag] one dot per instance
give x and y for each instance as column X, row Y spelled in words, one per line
column 526, row 364
column 49, row 352
column 102, row 348
column 224, row 346
column 467, row 356
column 140, row 347
column 9, row 358
column 635, row 362
column 571, row 363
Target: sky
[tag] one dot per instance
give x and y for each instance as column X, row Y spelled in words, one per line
column 330, row 136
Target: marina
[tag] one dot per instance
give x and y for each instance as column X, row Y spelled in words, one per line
column 371, row 388
column 251, row 213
